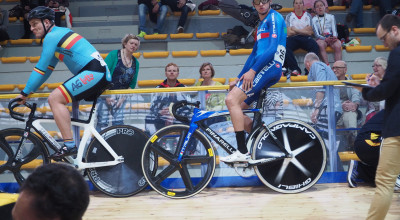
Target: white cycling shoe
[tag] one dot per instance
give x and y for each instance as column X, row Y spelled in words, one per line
column 237, row 156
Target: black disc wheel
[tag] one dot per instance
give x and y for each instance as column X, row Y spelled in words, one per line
column 304, row 165
column 126, row 178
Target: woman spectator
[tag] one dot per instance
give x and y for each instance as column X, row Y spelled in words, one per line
column 324, row 26
column 207, row 73
column 124, row 68
column 214, row 101
column 379, row 68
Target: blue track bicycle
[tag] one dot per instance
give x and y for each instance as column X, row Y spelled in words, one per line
column 288, row 156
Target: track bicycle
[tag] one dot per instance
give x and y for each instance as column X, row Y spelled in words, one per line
column 178, row 161
column 110, row 158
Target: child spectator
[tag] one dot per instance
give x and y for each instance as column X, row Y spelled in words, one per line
column 324, row 26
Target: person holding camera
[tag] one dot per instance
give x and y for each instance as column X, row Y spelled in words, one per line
column 324, row 26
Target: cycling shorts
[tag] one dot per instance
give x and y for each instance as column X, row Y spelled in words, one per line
column 88, row 84
column 268, row 76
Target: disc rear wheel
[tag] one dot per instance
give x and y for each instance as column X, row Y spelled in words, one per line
column 304, row 165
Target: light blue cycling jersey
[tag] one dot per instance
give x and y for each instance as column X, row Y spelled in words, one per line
column 268, row 54
column 62, row 44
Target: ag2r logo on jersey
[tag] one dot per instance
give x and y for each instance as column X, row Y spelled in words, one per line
column 82, row 81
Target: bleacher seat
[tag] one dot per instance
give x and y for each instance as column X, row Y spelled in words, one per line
column 359, row 76
column 181, row 36
column 207, row 53
column 207, row 35
column 184, row 53
column 13, row 59
column 209, row 12
column 221, row 80
column 7, row 87
column 359, row 49
column 155, row 54
column 155, row 36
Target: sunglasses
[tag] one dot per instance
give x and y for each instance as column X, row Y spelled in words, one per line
column 257, row 2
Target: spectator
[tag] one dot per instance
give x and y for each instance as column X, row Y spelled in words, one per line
column 159, row 116
column 124, row 69
column 153, row 8
column 207, row 73
column 350, row 99
column 367, row 147
column 214, row 101
column 379, row 68
column 319, row 71
column 52, row 191
column 309, row 6
column 3, row 25
column 356, row 11
column 60, row 7
column 179, row 5
column 324, row 26
column 27, row 6
column 299, row 32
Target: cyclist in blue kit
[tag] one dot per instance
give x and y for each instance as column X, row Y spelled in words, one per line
column 91, row 75
column 262, row 69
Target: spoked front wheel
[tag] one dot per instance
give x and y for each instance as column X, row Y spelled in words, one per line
column 305, row 165
column 124, row 179
column 169, row 176
column 30, row 153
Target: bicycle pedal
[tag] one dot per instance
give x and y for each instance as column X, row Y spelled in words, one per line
column 240, row 164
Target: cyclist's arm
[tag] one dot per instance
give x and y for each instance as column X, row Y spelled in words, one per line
column 44, row 68
column 249, row 62
column 316, row 29
column 268, row 42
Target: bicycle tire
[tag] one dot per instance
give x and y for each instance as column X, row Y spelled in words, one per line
column 165, row 174
column 124, row 179
column 33, row 153
column 303, row 169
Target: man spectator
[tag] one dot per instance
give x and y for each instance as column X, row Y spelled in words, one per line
column 300, row 35
column 157, row 13
column 319, row 71
column 159, row 116
column 52, row 191
column 179, row 6
column 388, row 89
column 350, row 99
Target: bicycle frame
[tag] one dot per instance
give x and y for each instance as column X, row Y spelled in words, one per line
column 37, row 122
column 199, row 116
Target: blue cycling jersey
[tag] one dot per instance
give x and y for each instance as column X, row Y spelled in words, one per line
column 62, row 44
column 268, row 54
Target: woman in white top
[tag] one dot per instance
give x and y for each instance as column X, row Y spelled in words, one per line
column 324, row 26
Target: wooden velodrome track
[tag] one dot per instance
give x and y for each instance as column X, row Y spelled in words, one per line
column 322, row 201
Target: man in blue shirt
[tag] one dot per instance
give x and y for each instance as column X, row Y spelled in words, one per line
column 262, row 69
column 91, row 75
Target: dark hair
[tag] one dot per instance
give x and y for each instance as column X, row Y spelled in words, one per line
column 59, row 191
column 319, row 1
column 42, row 12
column 211, row 67
column 388, row 21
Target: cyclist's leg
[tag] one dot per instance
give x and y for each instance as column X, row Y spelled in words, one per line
column 84, row 85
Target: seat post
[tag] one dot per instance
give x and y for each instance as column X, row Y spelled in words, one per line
column 260, row 104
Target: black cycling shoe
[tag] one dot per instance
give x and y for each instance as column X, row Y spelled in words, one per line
column 63, row 152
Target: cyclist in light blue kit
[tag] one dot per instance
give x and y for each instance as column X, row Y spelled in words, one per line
column 262, row 68
column 91, row 75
